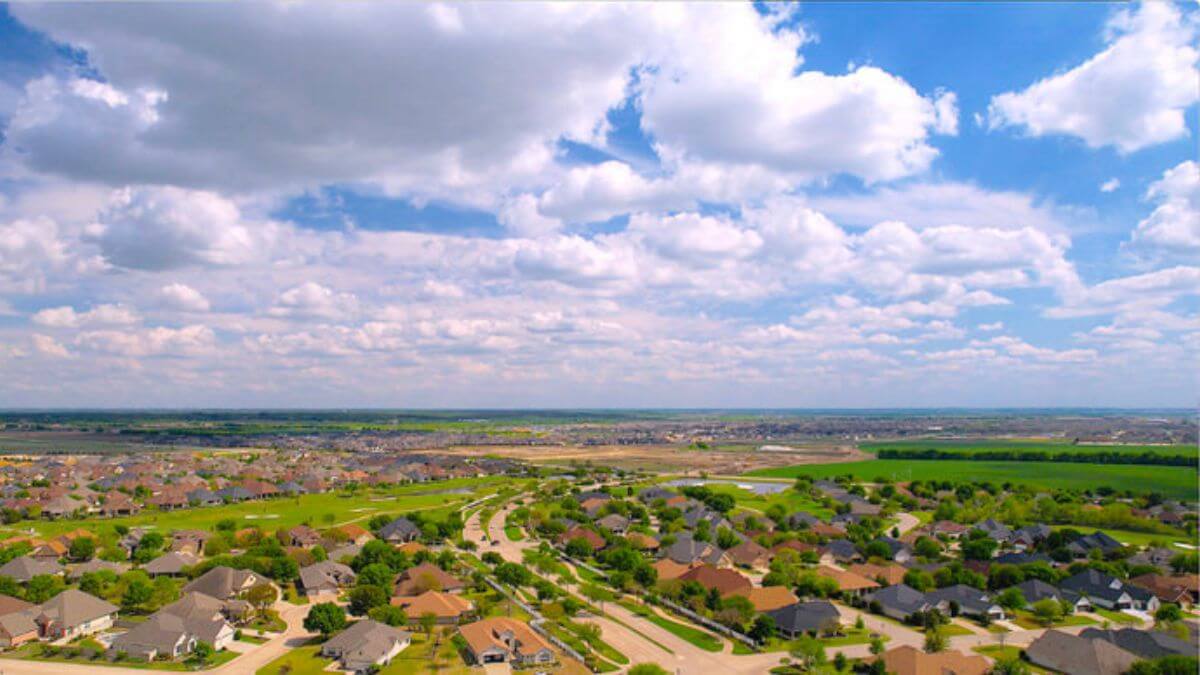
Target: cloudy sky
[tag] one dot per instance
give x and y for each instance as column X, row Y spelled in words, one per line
column 377, row 204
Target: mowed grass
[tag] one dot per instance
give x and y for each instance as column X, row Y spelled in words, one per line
column 321, row 510
column 791, row 500
column 305, row 660
column 1028, row 445
column 1172, row 481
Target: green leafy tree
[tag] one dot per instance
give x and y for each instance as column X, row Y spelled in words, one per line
column 325, row 618
column 1047, row 611
column 376, row 574
column 82, row 549
column 137, row 593
column 935, row 640
column 1011, row 599
column 365, row 598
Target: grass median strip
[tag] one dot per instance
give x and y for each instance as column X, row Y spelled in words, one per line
column 706, row 641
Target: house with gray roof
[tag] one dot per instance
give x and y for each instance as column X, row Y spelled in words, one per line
column 1035, row 590
column 817, row 617
column 223, row 583
column 325, row 578
column 1147, row 644
column 399, row 531
column 970, row 602
column 23, row 568
column 365, row 644
column 170, row 564
column 1078, row 655
column 902, row 601
column 687, row 550
column 72, row 614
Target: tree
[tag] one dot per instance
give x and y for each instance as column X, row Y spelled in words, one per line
column 364, row 598
column 979, row 549
column 1168, row 614
column 1011, row 599
column 645, row 575
column 579, row 548
column 392, row 616
column 325, row 618
column 284, row 570
column 935, row 640
column 876, row 645
column 82, row 549
column 927, row 547
column 262, row 596
column 513, row 574
column 839, row 661
column 763, row 628
column 203, row 652
column 1047, row 611
column 428, row 620
column 808, row 651
column 137, row 593
column 376, row 574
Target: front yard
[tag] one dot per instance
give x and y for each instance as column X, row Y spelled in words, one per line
column 92, row 654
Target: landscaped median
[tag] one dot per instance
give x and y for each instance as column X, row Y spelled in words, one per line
column 703, row 640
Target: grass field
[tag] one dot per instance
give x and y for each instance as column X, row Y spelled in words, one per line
column 1176, row 482
column 320, row 509
column 1131, row 538
column 1117, row 617
column 299, row 661
column 1025, row 619
column 791, row 500
column 1029, row 445
column 1008, row 654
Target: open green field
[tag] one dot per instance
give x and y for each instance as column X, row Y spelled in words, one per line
column 322, row 510
column 1030, row 445
column 791, row 500
column 1175, row 482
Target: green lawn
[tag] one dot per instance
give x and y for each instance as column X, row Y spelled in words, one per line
column 299, row 661
column 703, row 640
column 953, row 630
column 1008, row 654
column 1025, row 619
column 1026, row 445
column 1130, row 538
column 36, row 652
column 417, row 658
column 1117, row 617
column 514, row 533
column 1172, row 481
column 288, row 512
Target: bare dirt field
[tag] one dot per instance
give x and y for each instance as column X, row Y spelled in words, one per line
column 663, row 457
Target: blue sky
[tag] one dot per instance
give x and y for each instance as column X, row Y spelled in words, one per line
column 825, row 204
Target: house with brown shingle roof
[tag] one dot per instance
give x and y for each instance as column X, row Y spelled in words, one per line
column 749, row 554
column 767, row 598
column 426, row 577
column 725, row 581
column 848, row 582
column 446, row 607
column 908, row 660
column 886, row 575
column 501, row 640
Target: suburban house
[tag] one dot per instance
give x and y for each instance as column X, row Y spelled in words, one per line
column 908, row 660
column 590, row 536
column 16, row 622
column 170, row 564
column 1107, row 591
column 365, row 644
column 301, row 536
column 749, row 554
column 73, row 613
column 501, row 639
column 24, row 568
column 325, row 579
column 767, row 598
column 1078, row 655
column 399, row 531
column 816, row 618
column 688, row 550
column 900, row 601
column 1034, row 590
column 446, row 607
column 1146, row 644
column 169, row 635
column 223, row 583
column 355, row 534
column 848, row 582
column 725, row 581
column 970, row 601
column 426, row 577
column 1182, row 590
column 886, row 575
column 614, row 522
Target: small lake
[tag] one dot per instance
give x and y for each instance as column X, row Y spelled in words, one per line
column 758, row 487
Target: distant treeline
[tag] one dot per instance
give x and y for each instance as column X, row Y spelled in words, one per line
column 1098, row 457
